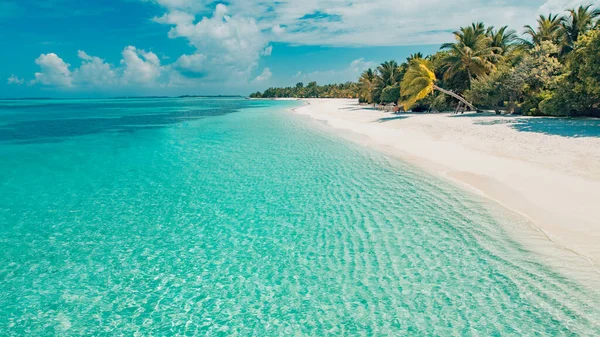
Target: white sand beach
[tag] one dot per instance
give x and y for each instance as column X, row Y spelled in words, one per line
column 552, row 180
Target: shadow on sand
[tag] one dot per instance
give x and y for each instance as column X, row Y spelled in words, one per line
column 481, row 114
column 565, row 127
column 360, row 108
column 389, row 119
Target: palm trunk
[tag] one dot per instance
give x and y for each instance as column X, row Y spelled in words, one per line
column 455, row 95
column 470, row 77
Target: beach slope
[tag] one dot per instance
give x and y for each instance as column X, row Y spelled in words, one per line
column 552, row 180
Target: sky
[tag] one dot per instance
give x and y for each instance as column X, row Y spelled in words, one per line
column 106, row 48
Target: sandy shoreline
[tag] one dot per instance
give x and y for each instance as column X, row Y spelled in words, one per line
column 552, row 180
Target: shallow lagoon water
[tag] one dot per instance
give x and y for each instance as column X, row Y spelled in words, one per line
column 232, row 217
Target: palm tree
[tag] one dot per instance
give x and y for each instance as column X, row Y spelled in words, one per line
column 503, row 39
column 548, row 29
column 418, row 55
column 367, row 82
column 389, row 73
column 472, row 52
column 469, row 35
column 420, row 81
column 579, row 21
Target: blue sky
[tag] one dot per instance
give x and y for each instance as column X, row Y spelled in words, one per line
column 73, row 48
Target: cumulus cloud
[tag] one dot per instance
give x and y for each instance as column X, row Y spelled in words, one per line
column 359, row 65
column 94, row 71
column 139, row 66
column 349, row 73
column 187, row 5
column 557, row 6
column 364, row 23
column 267, row 51
column 231, row 44
column 264, row 76
column 15, row 80
column 278, row 30
column 53, row 71
column 195, row 63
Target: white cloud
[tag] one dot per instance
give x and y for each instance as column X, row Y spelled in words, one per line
column 264, row 76
column 350, row 73
column 232, row 44
column 558, row 6
column 137, row 68
column 278, row 30
column 195, row 63
column 267, row 51
column 140, row 67
column 359, row 65
column 366, row 22
column 175, row 17
column 15, row 80
column 94, row 71
column 188, row 5
column 53, row 71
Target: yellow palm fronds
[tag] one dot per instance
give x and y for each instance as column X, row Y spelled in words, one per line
column 418, row 82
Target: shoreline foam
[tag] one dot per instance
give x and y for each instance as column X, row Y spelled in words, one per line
column 553, row 181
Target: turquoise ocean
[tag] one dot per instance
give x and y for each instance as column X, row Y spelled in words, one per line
column 234, row 217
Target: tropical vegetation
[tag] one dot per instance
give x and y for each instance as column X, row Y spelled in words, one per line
column 552, row 69
column 312, row 90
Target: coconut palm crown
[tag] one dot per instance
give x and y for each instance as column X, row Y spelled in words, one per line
column 471, row 52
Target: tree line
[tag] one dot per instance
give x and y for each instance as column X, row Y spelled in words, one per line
column 552, row 69
column 311, row 90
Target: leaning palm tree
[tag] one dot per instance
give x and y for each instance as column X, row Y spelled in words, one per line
column 471, row 52
column 548, row 29
column 420, row 81
column 579, row 21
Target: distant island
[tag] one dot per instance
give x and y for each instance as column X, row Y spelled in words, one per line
column 123, row 97
column 211, row 96
column 554, row 70
column 26, row 99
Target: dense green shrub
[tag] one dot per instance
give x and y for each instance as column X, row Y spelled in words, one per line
column 390, row 94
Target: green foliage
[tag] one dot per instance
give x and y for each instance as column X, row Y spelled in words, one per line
column 584, row 67
column 390, row 94
column 472, row 52
column 579, row 21
column 548, row 29
column 541, row 67
column 531, row 103
column 488, row 91
column 311, row 90
column 578, row 91
column 366, row 84
column 387, row 74
column 440, row 102
column 502, row 88
column 555, row 71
